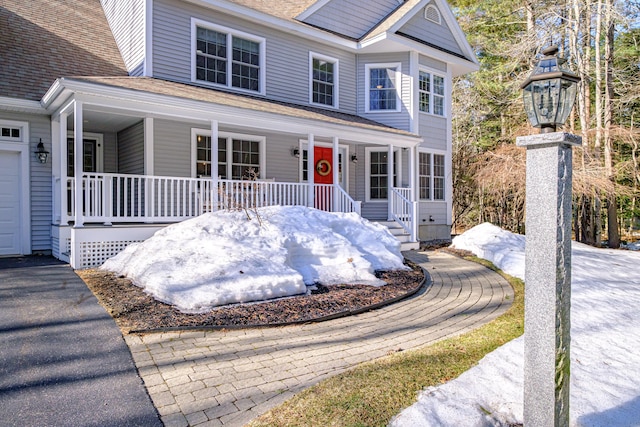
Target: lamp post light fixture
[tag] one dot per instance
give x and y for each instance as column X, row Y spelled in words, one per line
column 549, row 92
column 41, row 153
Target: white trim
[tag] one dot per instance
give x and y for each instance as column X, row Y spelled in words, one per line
column 148, row 39
column 336, row 79
column 228, row 136
column 414, row 98
column 390, row 174
column 397, row 81
column 21, row 105
column 23, row 148
column 149, row 150
column 230, row 33
column 447, row 92
column 447, row 175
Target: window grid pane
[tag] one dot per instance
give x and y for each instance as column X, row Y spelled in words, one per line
column 246, row 156
column 431, row 90
column 323, row 77
column 245, row 68
column 424, row 172
column 378, row 181
column 438, row 177
column 211, row 56
column 382, row 91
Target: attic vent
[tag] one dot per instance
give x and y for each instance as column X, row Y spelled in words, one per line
column 431, row 13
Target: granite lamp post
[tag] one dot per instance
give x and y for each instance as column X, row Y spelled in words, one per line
column 549, row 94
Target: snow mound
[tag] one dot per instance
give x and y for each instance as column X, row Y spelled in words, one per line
column 227, row 257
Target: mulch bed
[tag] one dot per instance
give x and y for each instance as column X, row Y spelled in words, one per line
column 136, row 311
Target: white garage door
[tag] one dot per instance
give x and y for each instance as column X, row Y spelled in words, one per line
column 10, row 203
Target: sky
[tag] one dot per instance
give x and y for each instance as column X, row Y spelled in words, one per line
column 229, row 257
column 605, row 345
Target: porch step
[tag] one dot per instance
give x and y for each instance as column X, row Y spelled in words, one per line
column 403, row 237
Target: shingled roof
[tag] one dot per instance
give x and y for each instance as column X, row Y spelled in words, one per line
column 42, row 40
column 221, row 97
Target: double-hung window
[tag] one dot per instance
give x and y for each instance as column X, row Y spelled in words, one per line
column 238, row 155
column 382, row 87
column 431, row 90
column 324, row 80
column 227, row 58
column 431, row 175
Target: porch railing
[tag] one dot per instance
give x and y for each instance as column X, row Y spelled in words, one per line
column 109, row 198
column 404, row 211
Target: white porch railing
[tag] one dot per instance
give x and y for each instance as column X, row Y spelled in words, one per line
column 109, row 198
column 404, row 211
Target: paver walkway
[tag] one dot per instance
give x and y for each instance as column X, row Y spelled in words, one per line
column 227, row 378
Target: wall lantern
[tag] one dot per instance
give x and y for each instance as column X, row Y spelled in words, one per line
column 354, row 158
column 549, row 92
column 295, row 152
column 41, row 153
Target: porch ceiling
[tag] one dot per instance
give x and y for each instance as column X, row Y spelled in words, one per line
column 145, row 96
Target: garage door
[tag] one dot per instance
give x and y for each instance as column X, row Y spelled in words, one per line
column 9, row 203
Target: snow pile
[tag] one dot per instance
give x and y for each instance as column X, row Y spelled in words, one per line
column 605, row 338
column 223, row 257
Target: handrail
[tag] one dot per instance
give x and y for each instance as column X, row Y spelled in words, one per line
column 404, row 211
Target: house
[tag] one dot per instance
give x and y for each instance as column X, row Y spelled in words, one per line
column 118, row 117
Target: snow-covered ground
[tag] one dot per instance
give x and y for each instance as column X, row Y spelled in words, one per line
column 605, row 346
column 224, row 257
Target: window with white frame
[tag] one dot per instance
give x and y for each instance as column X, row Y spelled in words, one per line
column 10, row 133
column 377, row 185
column 383, row 85
column 226, row 57
column 324, row 80
column 431, row 90
column 431, row 176
column 238, row 155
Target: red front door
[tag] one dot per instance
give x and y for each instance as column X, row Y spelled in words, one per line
column 323, row 174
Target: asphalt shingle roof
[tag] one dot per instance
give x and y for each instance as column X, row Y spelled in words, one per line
column 41, row 40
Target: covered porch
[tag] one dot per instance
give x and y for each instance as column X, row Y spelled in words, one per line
column 149, row 159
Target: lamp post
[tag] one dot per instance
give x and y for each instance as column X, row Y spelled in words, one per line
column 549, row 94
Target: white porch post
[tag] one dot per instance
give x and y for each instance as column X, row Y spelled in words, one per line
column 214, row 164
column 389, row 182
column 336, row 176
column 77, row 162
column 62, row 155
column 149, row 191
column 413, row 178
column 311, row 164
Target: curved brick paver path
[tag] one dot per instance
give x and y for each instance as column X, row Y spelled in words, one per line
column 226, row 378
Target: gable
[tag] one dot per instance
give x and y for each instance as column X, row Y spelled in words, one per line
column 349, row 17
column 423, row 26
column 42, row 43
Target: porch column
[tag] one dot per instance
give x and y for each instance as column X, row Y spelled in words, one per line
column 148, row 146
column 311, row 165
column 413, row 178
column 390, row 182
column 214, row 165
column 62, row 165
column 335, row 206
column 77, row 163
column 149, row 183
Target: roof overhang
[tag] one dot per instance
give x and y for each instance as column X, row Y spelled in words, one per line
column 64, row 92
column 21, row 106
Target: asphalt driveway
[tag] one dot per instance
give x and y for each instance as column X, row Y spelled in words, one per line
column 63, row 361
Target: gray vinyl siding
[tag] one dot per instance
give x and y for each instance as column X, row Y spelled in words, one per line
column 131, row 150
column 127, row 21
column 110, row 152
column 350, row 18
column 437, row 34
column 281, row 165
column 287, row 56
column 172, row 148
column 401, row 119
column 41, row 179
column 432, row 63
column 434, row 131
column 437, row 210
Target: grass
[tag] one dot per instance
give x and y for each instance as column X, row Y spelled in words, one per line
column 372, row 393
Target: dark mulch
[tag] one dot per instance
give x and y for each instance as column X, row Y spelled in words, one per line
column 135, row 311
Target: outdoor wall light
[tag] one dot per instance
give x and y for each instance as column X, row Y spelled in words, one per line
column 41, row 153
column 354, row 158
column 295, row 152
column 549, row 92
